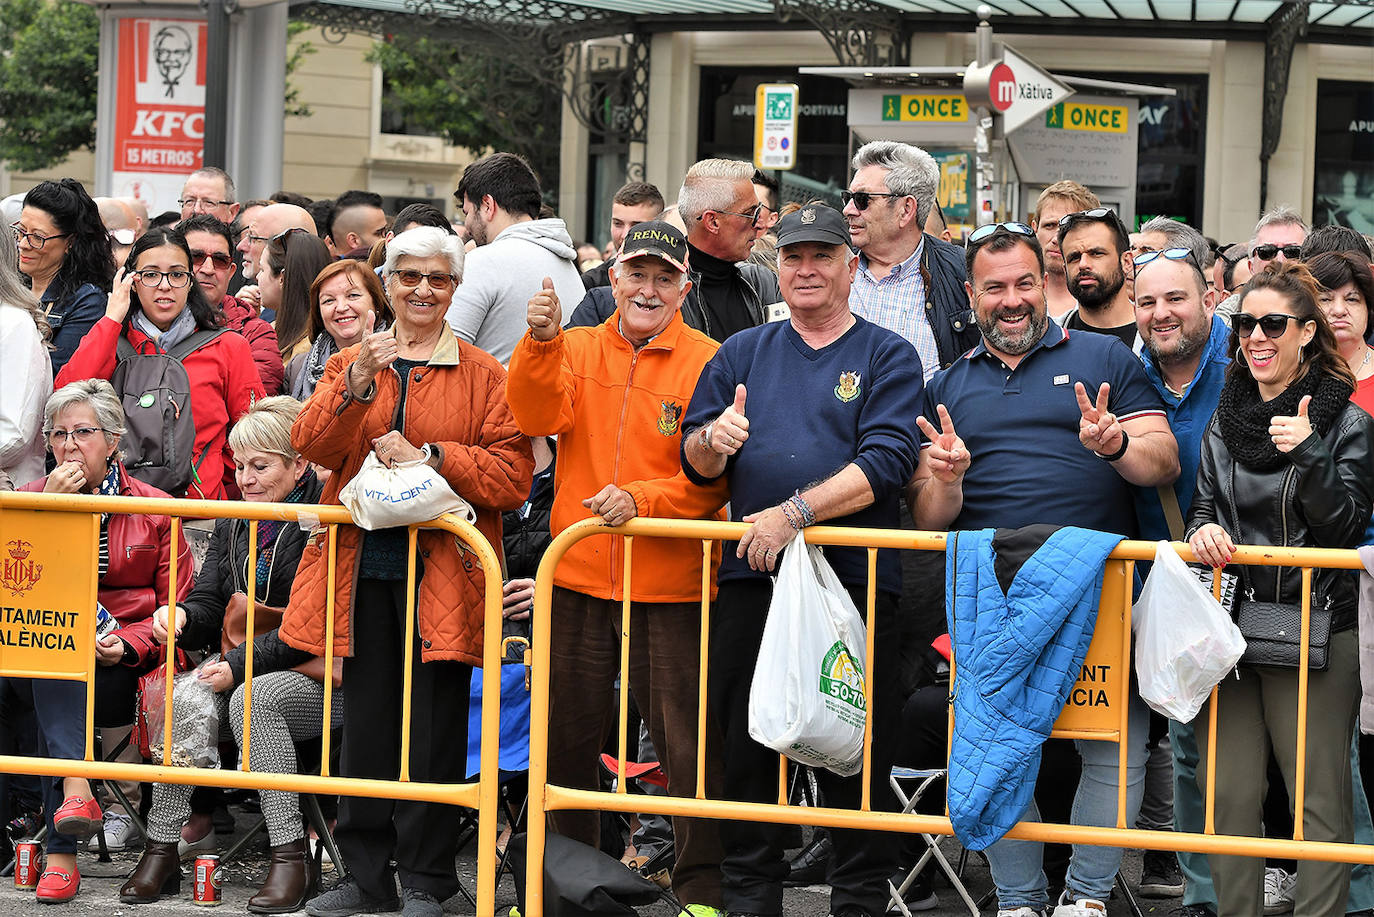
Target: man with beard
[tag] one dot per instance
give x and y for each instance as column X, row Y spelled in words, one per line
column 1097, row 258
column 1080, row 407
column 1056, row 202
column 1185, row 357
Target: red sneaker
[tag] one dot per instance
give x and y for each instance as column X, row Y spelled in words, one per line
column 57, row 885
column 77, row 817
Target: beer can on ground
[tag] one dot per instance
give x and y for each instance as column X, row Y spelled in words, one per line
column 207, row 881
column 27, row 867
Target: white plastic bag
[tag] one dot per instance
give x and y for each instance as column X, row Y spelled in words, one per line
column 381, row 497
column 807, row 699
column 1185, row 642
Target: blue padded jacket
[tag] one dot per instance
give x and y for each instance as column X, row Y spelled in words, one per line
column 1017, row 654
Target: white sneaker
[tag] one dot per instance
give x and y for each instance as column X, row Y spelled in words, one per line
column 120, row 833
column 1023, row 911
column 1280, row 890
column 1083, row 907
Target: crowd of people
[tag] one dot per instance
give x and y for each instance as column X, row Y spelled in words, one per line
column 730, row 358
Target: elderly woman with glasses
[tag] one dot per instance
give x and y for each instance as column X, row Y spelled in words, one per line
column 83, row 423
column 412, row 393
column 65, row 252
column 168, row 310
column 1287, row 460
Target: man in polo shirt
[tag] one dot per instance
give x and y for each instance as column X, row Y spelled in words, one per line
column 1097, row 258
column 908, row 281
column 1077, row 411
column 822, row 397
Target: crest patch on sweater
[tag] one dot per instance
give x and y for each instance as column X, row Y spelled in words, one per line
column 670, row 413
column 849, row 387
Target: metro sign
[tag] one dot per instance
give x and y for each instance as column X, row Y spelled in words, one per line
column 1015, row 88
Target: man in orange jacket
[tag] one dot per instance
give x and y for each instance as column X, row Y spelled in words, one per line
column 615, row 395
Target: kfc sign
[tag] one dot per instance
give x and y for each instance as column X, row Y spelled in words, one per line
column 160, row 108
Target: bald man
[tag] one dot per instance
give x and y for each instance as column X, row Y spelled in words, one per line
column 121, row 223
column 268, row 222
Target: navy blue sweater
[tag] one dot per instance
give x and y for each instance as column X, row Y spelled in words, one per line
column 809, row 416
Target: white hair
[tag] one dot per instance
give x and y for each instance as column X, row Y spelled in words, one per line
column 911, row 171
column 710, row 185
column 1282, row 215
column 99, row 394
column 425, row 242
column 1180, row 235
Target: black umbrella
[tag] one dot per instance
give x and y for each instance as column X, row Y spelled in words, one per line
column 581, row 881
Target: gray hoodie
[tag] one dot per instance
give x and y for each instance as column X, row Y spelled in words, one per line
column 499, row 278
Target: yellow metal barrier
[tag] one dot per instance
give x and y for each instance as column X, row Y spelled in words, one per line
column 1102, row 715
column 24, row 516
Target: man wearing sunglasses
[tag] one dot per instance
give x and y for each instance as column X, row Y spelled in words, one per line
column 1082, row 409
column 212, row 263
column 1097, row 258
column 908, row 281
column 1279, row 235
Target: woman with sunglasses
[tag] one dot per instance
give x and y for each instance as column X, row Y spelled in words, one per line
column 290, row 263
column 64, row 250
column 1287, row 460
column 342, row 297
column 82, row 425
column 414, row 393
column 1347, row 301
column 156, row 304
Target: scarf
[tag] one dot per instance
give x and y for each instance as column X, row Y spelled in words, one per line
column 182, row 327
column 268, row 529
column 1243, row 416
column 109, row 487
column 313, row 371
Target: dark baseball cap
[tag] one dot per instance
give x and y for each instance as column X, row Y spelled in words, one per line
column 655, row 239
column 814, row 223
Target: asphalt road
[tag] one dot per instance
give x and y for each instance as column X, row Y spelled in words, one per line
column 100, row 886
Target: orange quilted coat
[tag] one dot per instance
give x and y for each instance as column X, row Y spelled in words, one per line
column 457, row 403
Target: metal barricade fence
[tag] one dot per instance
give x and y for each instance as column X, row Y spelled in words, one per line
column 40, row 530
column 1103, row 713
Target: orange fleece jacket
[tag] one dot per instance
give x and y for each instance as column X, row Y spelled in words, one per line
column 618, row 414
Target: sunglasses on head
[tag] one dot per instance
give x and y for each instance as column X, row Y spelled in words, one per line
column 1100, row 214
column 983, row 233
column 1274, row 325
column 1173, row 254
column 1270, row 252
column 861, row 199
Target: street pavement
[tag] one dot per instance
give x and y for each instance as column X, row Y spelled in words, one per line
column 100, row 889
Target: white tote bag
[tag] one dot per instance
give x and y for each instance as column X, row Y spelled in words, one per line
column 807, row 699
column 1185, row 642
column 380, row 497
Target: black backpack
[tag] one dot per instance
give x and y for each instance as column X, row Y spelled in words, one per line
column 159, row 442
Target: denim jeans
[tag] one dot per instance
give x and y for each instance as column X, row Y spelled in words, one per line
column 1017, row 865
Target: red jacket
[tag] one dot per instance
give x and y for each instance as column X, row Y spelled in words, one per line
column 261, row 337
column 224, row 384
column 135, row 584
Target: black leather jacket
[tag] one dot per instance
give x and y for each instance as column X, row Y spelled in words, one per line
column 1321, row 500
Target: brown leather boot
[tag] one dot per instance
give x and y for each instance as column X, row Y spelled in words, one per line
column 158, row 873
column 290, row 881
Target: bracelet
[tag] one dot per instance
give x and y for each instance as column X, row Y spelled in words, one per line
column 799, row 503
column 1125, row 441
column 792, row 515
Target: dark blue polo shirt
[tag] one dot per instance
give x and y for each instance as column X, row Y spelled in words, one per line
column 1021, row 429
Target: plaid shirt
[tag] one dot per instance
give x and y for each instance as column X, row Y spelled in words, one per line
column 897, row 302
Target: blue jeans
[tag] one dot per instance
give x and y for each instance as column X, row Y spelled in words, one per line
column 1189, row 815
column 1017, row 868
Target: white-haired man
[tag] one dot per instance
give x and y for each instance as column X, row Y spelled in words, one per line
column 908, row 281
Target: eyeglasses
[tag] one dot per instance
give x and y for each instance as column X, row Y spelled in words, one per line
column 58, row 438
column 153, row 279
column 1273, row 325
column 983, row 233
column 1173, row 254
column 219, row 259
column 1269, row 252
column 34, row 240
column 862, row 199
column 438, row 280
column 752, row 214
column 201, row 203
column 260, row 240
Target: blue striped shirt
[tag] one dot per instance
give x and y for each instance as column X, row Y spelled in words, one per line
column 897, row 302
